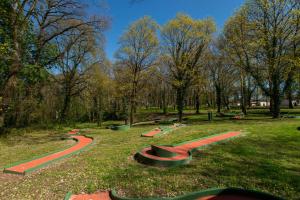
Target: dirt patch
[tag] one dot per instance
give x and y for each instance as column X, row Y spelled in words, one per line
column 9, row 177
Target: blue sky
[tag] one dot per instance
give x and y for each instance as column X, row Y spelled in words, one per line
column 123, row 13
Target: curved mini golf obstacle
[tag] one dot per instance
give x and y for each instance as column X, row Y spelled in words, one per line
column 169, row 156
column 41, row 161
column 211, row 194
column 162, row 130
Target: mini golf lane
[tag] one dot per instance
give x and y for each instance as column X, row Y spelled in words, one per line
column 162, row 130
column 211, row 194
column 153, row 132
column 173, row 154
column 28, row 166
column 168, row 156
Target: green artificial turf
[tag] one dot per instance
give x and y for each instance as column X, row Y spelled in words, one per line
column 266, row 158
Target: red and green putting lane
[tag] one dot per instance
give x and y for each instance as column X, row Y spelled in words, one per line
column 211, row 194
column 36, row 163
column 154, row 155
column 168, row 156
column 162, row 130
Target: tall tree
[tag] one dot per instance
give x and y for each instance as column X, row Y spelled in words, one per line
column 79, row 54
column 222, row 74
column 31, row 30
column 137, row 52
column 183, row 42
column 260, row 36
column 294, row 54
column 100, row 90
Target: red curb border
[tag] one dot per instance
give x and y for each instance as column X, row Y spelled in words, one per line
column 162, row 130
column 214, row 193
column 174, row 155
column 37, row 162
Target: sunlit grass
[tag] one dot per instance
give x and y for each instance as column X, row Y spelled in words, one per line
column 266, row 158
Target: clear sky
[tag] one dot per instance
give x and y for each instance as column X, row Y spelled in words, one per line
column 123, row 13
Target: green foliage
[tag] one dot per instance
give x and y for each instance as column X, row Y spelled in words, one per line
column 262, row 38
column 184, row 42
column 5, row 41
column 138, row 45
column 32, row 74
column 137, row 53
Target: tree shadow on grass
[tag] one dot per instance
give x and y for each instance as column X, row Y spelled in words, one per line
column 32, row 139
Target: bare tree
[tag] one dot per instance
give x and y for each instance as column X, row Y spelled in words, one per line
column 79, row 54
column 137, row 53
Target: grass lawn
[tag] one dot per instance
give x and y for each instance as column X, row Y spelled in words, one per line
column 266, row 158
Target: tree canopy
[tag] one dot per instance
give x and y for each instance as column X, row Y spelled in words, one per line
column 54, row 69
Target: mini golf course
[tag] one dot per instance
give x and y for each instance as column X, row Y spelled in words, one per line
column 174, row 155
column 162, row 130
column 181, row 154
column 211, row 194
column 25, row 167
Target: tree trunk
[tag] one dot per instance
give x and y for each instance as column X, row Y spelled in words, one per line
column 208, row 103
column 276, row 101
column 99, row 111
column 290, row 98
column 271, row 105
column 125, row 109
column 289, row 91
column 276, row 106
column 218, row 98
column 165, row 107
column 226, row 102
column 243, row 107
column 243, row 95
column 180, row 103
column 10, row 102
column 249, row 98
column 197, row 101
column 249, row 92
column 132, row 103
column 66, row 105
column 131, row 112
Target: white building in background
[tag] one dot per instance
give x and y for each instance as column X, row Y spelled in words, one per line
column 285, row 102
column 264, row 103
column 257, row 103
column 260, row 103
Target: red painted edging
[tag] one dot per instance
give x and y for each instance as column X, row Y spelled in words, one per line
column 96, row 196
column 210, row 194
column 23, row 168
column 152, row 133
column 167, row 156
column 162, row 130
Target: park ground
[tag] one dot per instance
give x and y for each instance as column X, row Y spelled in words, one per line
column 265, row 158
